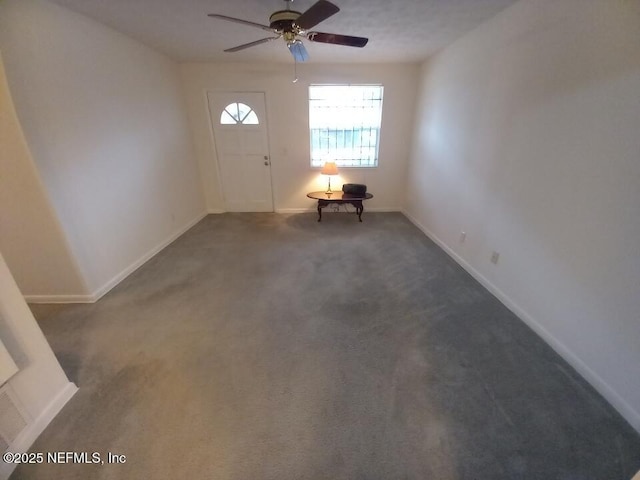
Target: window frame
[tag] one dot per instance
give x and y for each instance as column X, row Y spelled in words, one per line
column 316, row 163
column 242, row 119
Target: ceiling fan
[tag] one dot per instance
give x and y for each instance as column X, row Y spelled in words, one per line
column 292, row 25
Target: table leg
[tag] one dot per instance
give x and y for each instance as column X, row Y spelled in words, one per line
column 359, row 210
column 319, row 211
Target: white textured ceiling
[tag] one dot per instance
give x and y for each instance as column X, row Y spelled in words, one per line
column 398, row 30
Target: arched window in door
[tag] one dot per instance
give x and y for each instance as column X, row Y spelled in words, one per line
column 238, row 113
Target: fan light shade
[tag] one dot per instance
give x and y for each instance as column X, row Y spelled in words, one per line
column 329, row 168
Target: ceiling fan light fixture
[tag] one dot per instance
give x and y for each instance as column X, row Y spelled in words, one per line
column 298, row 51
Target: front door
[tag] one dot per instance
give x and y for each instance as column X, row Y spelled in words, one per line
column 240, row 130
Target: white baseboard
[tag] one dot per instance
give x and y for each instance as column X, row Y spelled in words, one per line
column 104, row 289
column 626, row 410
column 315, row 209
column 100, row 292
column 32, row 431
column 59, row 298
column 216, row 211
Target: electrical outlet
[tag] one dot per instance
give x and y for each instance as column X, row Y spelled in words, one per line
column 463, row 236
column 494, row 257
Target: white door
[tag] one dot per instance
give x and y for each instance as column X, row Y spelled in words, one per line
column 240, row 130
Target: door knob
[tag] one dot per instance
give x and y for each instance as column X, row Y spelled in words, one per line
column 266, row 163
column 266, row 157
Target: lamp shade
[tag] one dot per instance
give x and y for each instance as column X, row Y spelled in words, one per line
column 329, row 168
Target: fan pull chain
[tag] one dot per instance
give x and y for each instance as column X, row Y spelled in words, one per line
column 295, row 70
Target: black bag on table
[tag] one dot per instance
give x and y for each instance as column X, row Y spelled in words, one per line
column 354, row 189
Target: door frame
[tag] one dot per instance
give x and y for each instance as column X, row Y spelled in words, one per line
column 214, row 148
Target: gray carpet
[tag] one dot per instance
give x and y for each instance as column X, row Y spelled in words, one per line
column 264, row 346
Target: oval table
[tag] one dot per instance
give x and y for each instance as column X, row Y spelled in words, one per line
column 327, row 198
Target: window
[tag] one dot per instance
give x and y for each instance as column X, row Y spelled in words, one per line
column 238, row 113
column 344, row 123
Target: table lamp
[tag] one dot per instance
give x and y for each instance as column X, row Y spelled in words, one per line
column 329, row 168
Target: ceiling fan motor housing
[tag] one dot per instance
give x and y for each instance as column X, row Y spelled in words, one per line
column 283, row 20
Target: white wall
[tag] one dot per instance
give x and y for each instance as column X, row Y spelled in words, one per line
column 40, row 387
column 105, row 121
column 288, row 124
column 30, row 234
column 527, row 138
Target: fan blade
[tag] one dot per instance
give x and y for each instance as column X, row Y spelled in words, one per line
column 298, row 51
column 336, row 39
column 251, row 44
column 319, row 11
column 243, row 22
